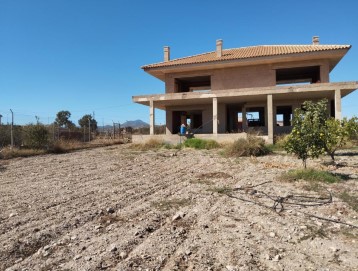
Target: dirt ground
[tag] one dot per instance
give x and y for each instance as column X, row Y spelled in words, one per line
column 115, row 208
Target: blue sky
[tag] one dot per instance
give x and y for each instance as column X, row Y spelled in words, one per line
column 85, row 55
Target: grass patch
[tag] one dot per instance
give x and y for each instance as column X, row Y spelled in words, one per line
column 351, row 200
column 60, row 146
column 165, row 205
column 201, row 144
column 154, row 144
column 224, row 190
column 151, row 144
column 250, row 146
column 14, row 153
column 172, row 146
column 215, row 175
column 310, row 175
column 65, row 146
column 348, row 233
column 314, row 233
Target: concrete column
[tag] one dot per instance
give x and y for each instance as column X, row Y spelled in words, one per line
column 270, row 118
column 215, row 115
column 244, row 125
column 168, row 121
column 324, row 72
column 151, row 117
column 337, row 104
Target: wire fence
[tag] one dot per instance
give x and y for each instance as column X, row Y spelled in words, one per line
column 15, row 135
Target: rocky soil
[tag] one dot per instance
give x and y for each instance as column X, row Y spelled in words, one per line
column 115, row 208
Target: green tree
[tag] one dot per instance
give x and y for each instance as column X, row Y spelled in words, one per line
column 308, row 122
column 63, row 119
column 315, row 133
column 336, row 133
column 351, row 127
column 83, row 122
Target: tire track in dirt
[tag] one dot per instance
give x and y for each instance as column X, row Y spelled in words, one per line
column 216, row 231
column 137, row 196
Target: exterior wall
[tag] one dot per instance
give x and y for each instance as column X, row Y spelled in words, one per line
column 234, row 78
column 243, row 77
column 169, row 83
column 246, row 76
column 175, row 139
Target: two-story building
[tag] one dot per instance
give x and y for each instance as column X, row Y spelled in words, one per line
column 224, row 93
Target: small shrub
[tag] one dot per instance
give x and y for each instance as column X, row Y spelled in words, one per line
column 311, row 175
column 58, row 147
column 35, row 136
column 200, row 144
column 279, row 145
column 250, row 146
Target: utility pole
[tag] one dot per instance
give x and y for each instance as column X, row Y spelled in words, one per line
column 84, row 133
column 11, row 132
column 54, row 135
column 114, row 130
column 89, row 130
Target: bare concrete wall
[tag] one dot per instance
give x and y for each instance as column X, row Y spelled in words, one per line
column 175, row 139
column 243, row 77
column 246, row 76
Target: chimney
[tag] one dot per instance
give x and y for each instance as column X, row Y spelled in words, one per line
column 315, row 40
column 166, row 53
column 219, row 48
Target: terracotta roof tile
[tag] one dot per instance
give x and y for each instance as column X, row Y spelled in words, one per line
column 247, row 52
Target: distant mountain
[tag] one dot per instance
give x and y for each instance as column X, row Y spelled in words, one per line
column 135, row 124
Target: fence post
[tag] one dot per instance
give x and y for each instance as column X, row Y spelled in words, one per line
column 11, row 131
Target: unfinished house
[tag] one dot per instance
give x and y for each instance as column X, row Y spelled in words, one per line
column 224, row 93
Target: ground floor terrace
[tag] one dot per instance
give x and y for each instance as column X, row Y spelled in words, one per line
column 226, row 114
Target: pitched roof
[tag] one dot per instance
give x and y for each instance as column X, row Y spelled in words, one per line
column 245, row 53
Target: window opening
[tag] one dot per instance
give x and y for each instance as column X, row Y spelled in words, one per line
column 298, row 76
column 283, row 115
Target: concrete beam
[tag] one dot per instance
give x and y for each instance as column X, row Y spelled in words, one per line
column 215, row 115
column 337, row 104
column 270, row 118
column 151, row 117
column 193, row 96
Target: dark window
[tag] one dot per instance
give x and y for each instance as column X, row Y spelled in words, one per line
column 298, row 75
column 190, row 84
column 197, row 121
column 255, row 116
column 283, row 115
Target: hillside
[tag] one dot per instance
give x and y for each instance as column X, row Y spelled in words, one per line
column 135, row 124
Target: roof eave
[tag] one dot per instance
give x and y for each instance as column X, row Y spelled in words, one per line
column 334, row 55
